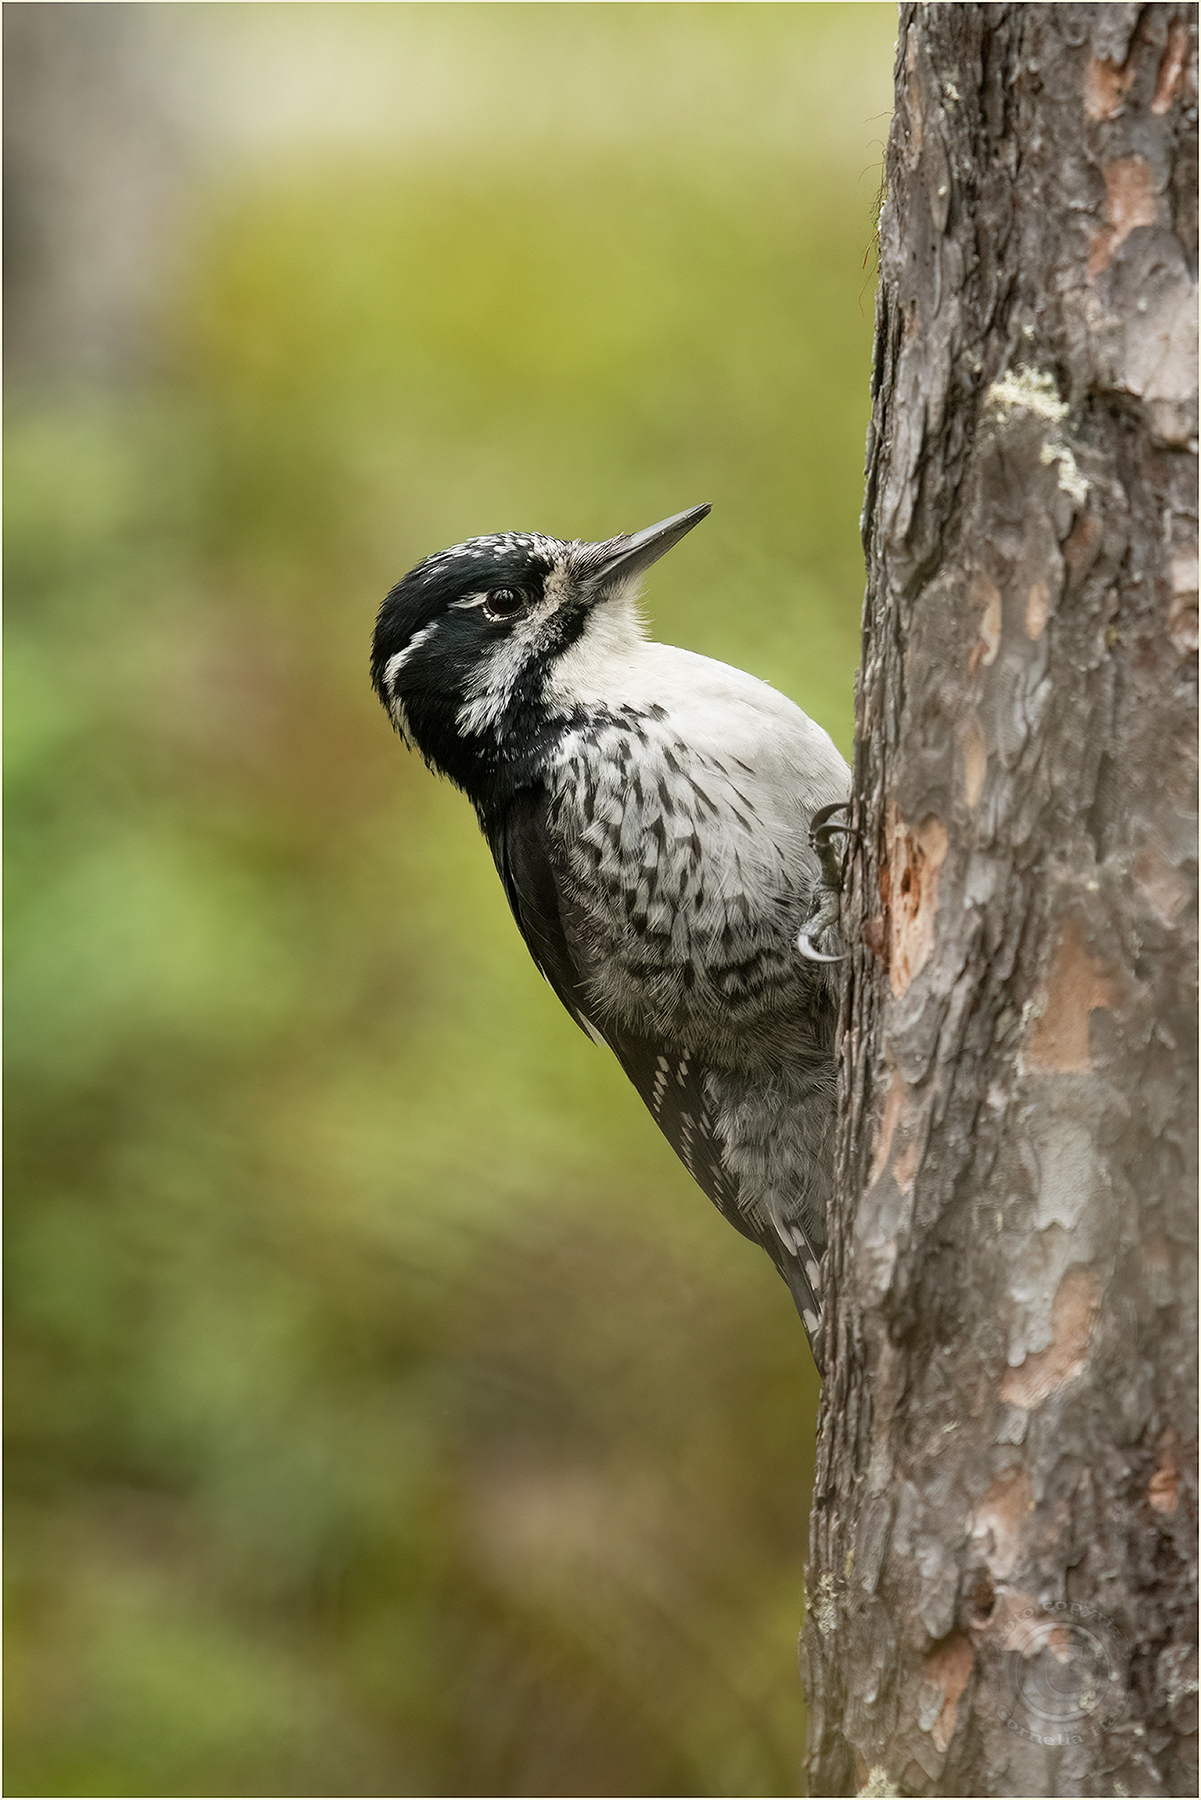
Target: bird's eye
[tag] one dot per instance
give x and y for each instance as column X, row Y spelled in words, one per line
column 504, row 603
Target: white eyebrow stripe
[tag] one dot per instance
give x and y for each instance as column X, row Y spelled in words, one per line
column 396, row 663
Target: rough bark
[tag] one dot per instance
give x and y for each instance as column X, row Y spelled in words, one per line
column 1003, row 1573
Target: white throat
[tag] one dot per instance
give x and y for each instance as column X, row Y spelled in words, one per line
column 601, row 667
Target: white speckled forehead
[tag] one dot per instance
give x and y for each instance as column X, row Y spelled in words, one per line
column 520, row 543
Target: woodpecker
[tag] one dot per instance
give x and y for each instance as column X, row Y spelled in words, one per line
column 649, row 812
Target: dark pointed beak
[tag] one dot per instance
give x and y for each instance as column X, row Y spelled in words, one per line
column 628, row 556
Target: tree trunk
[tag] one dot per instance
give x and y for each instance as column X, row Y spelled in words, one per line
column 1002, row 1588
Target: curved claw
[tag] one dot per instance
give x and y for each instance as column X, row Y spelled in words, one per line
column 825, row 917
column 822, row 829
column 805, row 945
column 824, row 814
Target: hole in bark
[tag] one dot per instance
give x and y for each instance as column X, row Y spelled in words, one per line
column 983, row 1597
column 1100, row 815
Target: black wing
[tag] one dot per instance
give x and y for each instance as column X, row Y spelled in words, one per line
column 672, row 1086
column 532, row 889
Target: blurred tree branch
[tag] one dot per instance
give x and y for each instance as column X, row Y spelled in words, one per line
column 1002, row 1586
column 92, row 168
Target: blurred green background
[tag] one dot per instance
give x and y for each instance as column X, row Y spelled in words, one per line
column 388, row 1412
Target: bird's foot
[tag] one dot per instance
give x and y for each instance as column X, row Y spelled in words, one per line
column 827, row 912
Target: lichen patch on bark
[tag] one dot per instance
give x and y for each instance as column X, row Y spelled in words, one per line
column 1026, row 390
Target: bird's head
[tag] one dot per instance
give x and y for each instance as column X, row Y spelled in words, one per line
column 474, row 649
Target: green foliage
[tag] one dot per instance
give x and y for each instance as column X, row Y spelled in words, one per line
column 389, row 1413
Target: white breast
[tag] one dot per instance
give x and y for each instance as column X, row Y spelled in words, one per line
column 719, row 711
column 681, row 800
